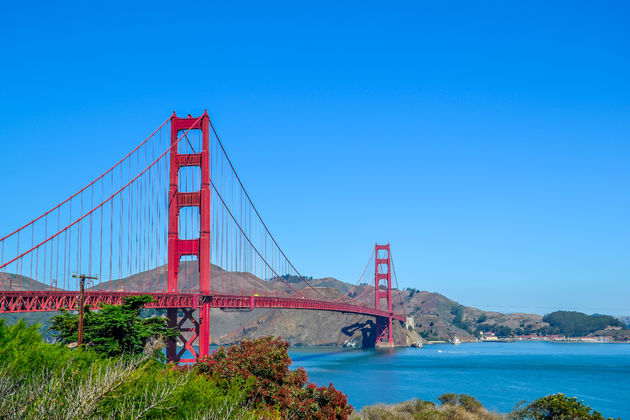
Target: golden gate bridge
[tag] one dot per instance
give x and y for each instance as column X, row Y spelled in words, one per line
column 172, row 219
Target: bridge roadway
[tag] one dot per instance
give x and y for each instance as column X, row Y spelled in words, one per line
column 32, row 301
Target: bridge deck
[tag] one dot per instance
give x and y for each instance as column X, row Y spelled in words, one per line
column 32, row 301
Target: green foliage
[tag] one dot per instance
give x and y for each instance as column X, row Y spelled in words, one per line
column 263, row 364
column 448, row 399
column 42, row 318
column 293, row 279
column 574, row 324
column 23, row 351
column 467, row 402
column 115, row 329
column 458, row 320
column 503, row 331
column 482, row 318
column 39, row 380
column 556, row 407
column 159, row 392
column 251, row 380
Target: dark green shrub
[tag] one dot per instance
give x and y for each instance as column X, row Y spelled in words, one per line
column 450, row 399
column 23, row 351
column 556, row 407
column 469, row 403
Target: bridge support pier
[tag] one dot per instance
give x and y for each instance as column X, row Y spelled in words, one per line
column 189, row 333
column 194, row 339
column 384, row 337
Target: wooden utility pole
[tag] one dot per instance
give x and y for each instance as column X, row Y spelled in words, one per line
column 82, row 278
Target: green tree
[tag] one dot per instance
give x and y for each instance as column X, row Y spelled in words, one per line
column 458, row 318
column 503, row 331
column 115, row 329
column 556, row 407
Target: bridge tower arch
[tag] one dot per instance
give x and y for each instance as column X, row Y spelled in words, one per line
column 383, row 277
column 178, row 247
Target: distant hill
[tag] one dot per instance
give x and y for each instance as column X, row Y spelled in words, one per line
column 16, row 282
column 576, row 324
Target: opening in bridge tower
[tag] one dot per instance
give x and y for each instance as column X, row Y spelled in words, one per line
column 179, row 247
column 383, row 277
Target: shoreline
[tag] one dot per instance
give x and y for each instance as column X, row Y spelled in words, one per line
column 567, row 341
column 432, row 343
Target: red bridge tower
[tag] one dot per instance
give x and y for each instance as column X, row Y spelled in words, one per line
column 200, row 248
column 382, row 271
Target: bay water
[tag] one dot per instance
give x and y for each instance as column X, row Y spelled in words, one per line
column 499, row 375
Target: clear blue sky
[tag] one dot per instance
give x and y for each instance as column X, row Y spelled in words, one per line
column 490, row 144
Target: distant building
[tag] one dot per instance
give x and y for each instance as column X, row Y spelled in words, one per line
column 527, row 337
column 556, row 337
column 409, row 324
column 601, row 339
column 488, row 336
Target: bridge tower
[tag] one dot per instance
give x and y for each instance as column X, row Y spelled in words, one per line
column 383, row 277
column 200, row 248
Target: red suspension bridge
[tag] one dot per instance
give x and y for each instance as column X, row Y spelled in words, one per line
column 173, row 219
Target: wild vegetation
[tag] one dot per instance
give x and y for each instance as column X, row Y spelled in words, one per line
column 557, row 406
column 43, row 381
column 452, row 406
column 466, row 407
column 117, row 375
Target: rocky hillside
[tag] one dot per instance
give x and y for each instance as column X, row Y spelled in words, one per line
column 437, row 317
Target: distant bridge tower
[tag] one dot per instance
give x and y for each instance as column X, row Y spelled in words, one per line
column 200, row 248
column 383, row 277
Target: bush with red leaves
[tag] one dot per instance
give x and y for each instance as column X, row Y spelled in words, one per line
column 264, row 364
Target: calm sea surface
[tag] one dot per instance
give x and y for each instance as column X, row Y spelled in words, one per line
column 500, row 375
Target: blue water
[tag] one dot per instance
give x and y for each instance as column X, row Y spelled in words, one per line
column 500, row 375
